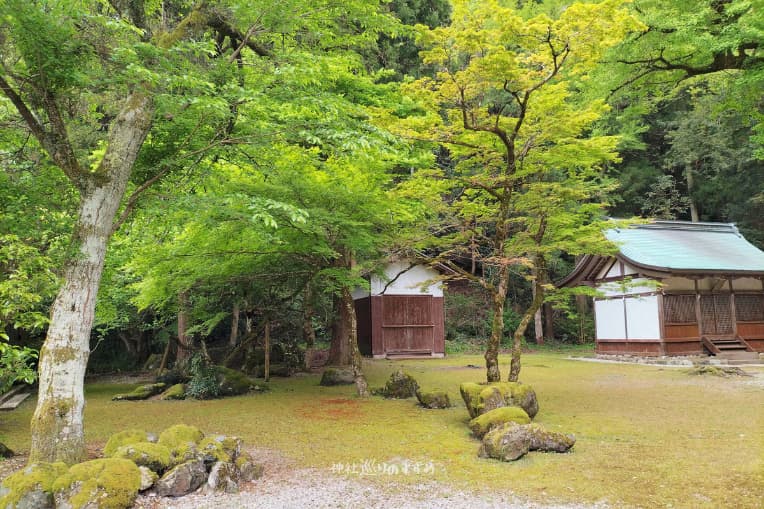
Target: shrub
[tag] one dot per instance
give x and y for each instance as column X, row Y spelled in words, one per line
column 203, row 383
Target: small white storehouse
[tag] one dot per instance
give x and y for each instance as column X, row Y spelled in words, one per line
column 402, row 313
column 677, row 288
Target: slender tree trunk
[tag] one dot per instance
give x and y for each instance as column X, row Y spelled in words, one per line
column 538, row 323
column 308, row 331
column 690, row 175
column 57, row 425
column 517, row 338
column 234, row 338
column 184, row 341
column 581, row 310
column 549, row 321
column 493, row 373
column 267, row 348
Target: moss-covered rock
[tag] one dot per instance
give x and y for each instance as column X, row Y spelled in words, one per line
column 512, row 441
column 337, row 376
column 232, row 382
column 231, row 445
column 141, row 392
column 433, row 399
column 211, row 451
column 249, row 470
column 481, row 398
column 108, row 483
column 175, row 392
column 400, row 385
column 145, row 454
column 127, row 437
column 482, row 424
column 31, row 487
column 224, row 477
column 282, row 370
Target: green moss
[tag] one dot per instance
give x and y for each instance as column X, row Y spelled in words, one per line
column 484, row 423
column 400, row 385
column 433, row 399
column 480, row 398
column 127, row 437
column 145, row 454
column 37, row 476
column 470, row 392
column 213, row 451
column 108, row 483
column 141, row 392
column 180, row 434
column 175, row 392
column 232, row 382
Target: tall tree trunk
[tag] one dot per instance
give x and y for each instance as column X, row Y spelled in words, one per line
column 267, row 350
column 690, row 175
column 308, row 331
column 581, row 310
column 549, row 321
column 493, row 373
column 184, row 340
column 538, row 324
column 234, row 338
column 340, row 353
column 57, row 425
column 517, row 338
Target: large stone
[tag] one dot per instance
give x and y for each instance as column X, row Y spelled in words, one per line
column 225, row 477
column 337, row 376
column 141, row 392
column 230, row 445
column 433, row 399
column 31, row 487
column 211, row 451
column 482, row 424
column 512, row 441
column 122, row 438
column 400, row 385
column 108, row 483
column 481, row 398
column 145, row 454
column 182, row 479
column 248, row 469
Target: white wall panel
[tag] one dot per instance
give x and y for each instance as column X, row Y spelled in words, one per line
column 642, row 318
column 610, row 319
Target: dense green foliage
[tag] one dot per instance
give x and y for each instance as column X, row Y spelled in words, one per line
column 295, row 145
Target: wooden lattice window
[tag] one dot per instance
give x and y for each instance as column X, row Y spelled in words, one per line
column 749, row 308
column 679, row 309
column 716, row 313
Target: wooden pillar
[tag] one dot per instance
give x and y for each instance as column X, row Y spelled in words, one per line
column 698, row 312
column 661, row 321
column 733, row 309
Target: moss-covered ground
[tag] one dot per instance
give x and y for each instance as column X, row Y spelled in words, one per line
column 646, row 436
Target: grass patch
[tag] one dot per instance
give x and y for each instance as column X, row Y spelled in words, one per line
column 646, row 436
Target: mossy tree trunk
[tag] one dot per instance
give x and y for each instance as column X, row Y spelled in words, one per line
column 234, row 337
column 340, row 353
column 184, row 340
column 57, row 424
column 362, row 387
column 493, row 373
column 517, row 338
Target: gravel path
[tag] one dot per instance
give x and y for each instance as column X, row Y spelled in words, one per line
column 285, row 486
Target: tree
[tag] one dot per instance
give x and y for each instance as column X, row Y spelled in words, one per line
column 90, row 81
column 508, row 103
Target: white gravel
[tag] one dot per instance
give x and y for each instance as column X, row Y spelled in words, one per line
column 285, row 487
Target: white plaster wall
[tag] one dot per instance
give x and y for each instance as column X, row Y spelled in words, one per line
column 637, row 285
column 642, row 317
column 610, row 319
column 747, row 284
column 408, row 280
column 360, row 293
column 628, row 270
column 678, row 284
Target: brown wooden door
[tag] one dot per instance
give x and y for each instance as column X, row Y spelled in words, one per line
column 716, row 313
column 407, row 323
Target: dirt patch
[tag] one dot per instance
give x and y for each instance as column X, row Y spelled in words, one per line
column 336, row 409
